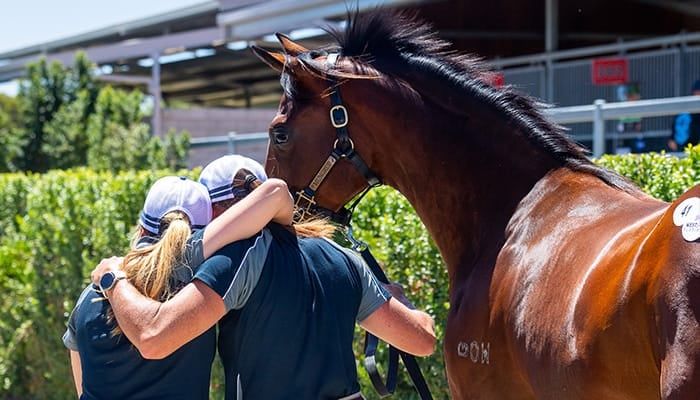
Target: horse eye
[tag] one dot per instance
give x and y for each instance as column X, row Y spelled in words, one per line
column 281, row 138
column 279, row 135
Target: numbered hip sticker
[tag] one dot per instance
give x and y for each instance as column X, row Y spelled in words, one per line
column 687, row 211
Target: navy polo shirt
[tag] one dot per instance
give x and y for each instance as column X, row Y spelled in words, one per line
column 293, row 306
column 113, row 368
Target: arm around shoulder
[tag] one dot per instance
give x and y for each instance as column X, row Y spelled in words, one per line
column 271, row 201
column 158, row 329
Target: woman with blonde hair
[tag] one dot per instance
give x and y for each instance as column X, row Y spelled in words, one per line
column 286, row 305
column 173, row 238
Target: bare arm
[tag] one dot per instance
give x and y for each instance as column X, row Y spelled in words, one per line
column 77, row 372
column 271, row 201
column 158, row 329
column 407, row 329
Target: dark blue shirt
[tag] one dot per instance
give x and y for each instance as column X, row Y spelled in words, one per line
column 290, row 334
column 112, row 367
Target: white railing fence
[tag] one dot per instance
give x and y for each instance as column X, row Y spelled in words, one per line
column 601, row 111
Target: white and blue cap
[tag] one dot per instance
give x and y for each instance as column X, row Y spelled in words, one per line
column 218, row 175
column 173, row 193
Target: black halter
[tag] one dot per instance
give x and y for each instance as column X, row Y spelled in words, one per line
column 344, row 148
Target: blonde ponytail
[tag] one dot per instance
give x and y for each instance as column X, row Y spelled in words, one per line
column 315, row 228
column 150, row 269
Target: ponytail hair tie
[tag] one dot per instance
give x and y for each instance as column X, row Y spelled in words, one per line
column 249, row 180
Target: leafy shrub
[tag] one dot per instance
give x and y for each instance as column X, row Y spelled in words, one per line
column 660, row 175
column 55, row 227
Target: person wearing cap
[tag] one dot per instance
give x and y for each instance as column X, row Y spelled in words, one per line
column 286, row 320
column 174, row 237
column 217, row 177
column 686, row 127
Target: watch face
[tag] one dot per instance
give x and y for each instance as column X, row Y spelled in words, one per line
column 107, row 281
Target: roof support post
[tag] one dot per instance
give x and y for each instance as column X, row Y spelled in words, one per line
column 154, row 89
column 598, row 128
column 551, row 43
column 551, row 29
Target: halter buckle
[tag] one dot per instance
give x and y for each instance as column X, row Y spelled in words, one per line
column 339, row 116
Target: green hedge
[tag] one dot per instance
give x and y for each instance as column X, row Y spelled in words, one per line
column 55, row 227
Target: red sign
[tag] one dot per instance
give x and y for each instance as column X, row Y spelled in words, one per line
column 610, row 71
column 495, row 79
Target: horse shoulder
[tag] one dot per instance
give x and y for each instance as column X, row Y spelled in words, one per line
column 567, row 267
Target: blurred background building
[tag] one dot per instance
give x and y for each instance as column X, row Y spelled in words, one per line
column 196, row 64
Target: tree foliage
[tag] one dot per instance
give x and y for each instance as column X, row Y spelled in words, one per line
column 63, row 118
column 12, row 139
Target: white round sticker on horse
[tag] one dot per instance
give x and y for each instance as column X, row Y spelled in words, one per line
column 687, row 211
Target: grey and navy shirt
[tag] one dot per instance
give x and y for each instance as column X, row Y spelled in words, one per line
column 113, row 368
column 293, row 304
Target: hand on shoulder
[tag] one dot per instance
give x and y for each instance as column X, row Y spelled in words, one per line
column 111, row 264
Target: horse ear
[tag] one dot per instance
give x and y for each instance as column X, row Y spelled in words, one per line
column 290, row 47
column 273, row 59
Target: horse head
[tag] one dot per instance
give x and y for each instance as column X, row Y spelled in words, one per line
column 322, row 139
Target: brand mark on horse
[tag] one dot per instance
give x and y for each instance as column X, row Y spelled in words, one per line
column 475, row 351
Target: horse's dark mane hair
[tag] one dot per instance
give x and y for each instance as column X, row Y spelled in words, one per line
column 381, row 38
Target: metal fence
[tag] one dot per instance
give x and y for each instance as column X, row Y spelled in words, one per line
column 657, row 74
column 530, row 80
column 601, row 111
column 232, row 139
column 660, row 73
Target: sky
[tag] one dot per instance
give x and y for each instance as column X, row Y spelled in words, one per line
column 27, row 22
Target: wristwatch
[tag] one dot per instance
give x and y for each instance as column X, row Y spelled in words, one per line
column 109, row 279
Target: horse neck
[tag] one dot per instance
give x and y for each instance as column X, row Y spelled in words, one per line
column 464, row 185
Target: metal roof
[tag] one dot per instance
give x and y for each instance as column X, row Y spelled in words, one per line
column 203, row 58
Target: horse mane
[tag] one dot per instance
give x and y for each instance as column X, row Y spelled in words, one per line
column 386, row 40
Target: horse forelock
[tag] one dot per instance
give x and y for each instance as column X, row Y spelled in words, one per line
column 380, row 43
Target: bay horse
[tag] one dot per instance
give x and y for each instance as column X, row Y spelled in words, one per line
column 566, row 281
